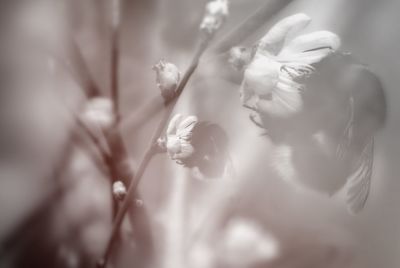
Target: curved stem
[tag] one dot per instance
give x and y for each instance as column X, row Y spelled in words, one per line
column 151, row 151
column 115, row 56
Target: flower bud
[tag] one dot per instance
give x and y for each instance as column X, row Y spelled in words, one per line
column 119, row 190
column 167, row 78
column 215, row 15
column 99, row 113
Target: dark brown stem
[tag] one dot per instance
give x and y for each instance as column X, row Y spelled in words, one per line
column 115, row 56
column 114, row 140
column 150, row 152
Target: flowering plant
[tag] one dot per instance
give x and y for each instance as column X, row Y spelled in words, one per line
column 292, row 84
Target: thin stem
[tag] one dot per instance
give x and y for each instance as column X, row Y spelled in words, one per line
column 233, row 38
column 151, row 151
column 115, row 56
column 250, row 25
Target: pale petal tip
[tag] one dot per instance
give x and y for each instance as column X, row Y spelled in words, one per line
column 301, row 17
column 176, row 117
column 193, row 118
column 331, row 38
column 336, row 42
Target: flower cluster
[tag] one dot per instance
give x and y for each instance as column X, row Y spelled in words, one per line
column 270, row 85
column 177, row 141
column 215, row 15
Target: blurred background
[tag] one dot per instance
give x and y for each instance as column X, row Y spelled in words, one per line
column 55, row 203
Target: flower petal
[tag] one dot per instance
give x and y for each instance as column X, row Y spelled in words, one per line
column 310, row 48
column 186, row 151
column 245, row 93
column 286, row 100
column 185, row 127
column 261, row 75
column 275, row 38
column 172, row 126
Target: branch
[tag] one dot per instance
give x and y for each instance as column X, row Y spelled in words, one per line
column 115, row 56
column 151, row 150
column 233, row 38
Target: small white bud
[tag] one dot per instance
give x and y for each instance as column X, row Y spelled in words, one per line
column 167, row 78
column 119, row 190
column 99, row 113
column 178, row 138
column 215, row 15
column 240, row 57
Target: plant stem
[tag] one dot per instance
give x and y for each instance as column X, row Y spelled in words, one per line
column 115, row 56
column 255, row 21
column 151, row 151
column 250, row 25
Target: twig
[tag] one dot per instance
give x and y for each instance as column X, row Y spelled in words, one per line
column 115, row 56
column 82, row 73
column 151, row 151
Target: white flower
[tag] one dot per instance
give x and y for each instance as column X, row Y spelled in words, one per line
column 99, row 113
column 245, row 243
column 178, row 138
column 119, row 190
column 215, row 15
column 167, row 77
column 270, row 80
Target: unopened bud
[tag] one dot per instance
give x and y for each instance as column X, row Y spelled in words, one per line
column 215, row 15
column 119, row 190
column 167, row 77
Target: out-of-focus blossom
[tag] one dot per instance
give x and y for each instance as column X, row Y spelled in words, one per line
column 270, row 83
column 240, row 57
column 178, row 137
column 99, row 113
column 215, row 15
column 139, row 202
column 245, row 243
column 167, row 77
column 242, row 244
column 119, row 190
column 202, row 256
